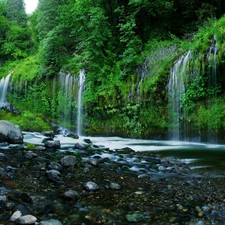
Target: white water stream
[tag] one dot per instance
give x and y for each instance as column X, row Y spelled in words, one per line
column 79, row 107
column 4, row 82
column 210, row 157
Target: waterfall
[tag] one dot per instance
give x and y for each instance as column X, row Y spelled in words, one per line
column 211, row 55
column 79, row 106
column 176, row 88
column 4, row 82
column 67, row 99
column 139, row 86
column 212, row 84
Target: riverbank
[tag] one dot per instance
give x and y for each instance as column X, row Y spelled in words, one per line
column 92, row 184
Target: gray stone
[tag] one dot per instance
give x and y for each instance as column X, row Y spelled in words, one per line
column 3, row 172
column 52, row 144
column 30, row 155
column 69, row 160
column 3, row 157
column 50, row 222
column 136, row 217
column 48, row 134
column 71, row 194
column 79, row 146
column 16, row 215
column 27, row 219
column 10, row 133
column 91, row 186
column 93, row 162
column 54, row 175
column 115, row 186
column 55, row 166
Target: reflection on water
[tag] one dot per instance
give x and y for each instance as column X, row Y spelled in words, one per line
column 200, row 156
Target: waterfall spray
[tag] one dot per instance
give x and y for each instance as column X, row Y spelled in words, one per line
column 79, row 107
column 4, row 82
column 176, row 88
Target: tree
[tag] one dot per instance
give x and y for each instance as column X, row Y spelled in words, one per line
column 48, row 15
column 16, row 12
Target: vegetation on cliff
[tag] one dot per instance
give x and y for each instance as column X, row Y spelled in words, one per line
column 126, row 49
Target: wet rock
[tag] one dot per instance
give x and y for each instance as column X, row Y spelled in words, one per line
column 50, row 222
column 27, row 219
column 39, row 148
column 3, row 172
column 115, row 186
column 88, row 141
column 71, row 194
column 15, row 216
column 93, row 162
column 10, row 133
column 136, row 217
column 79, row 146
column 3, row 157
column 91, row 186
column 30, row 155
column 23, row 208
column 69, row 160
column 74, row 136
column 3, row 199
column 153, row 160
column 54, row 175
column 55, row 166
column 48, row 134
column 53, row 144
column 125, row 150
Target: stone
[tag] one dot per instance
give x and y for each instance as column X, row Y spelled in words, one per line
column 93, row 162
column 10, row 133
column 55, row 144
column 71, row 194
column 136, row 217
column 115, row 186
column 69, row 160
column 88, row 141
column 91, row 186
column 27, row 219
column 30, row 155
column 55, row 166
column 53, row 175
column 3, row 172
column 50, row 222
column 79, row 146
column 3, row 157
column 16, row 215
column 48, row 133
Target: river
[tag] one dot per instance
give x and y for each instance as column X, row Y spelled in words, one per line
column 204, row 157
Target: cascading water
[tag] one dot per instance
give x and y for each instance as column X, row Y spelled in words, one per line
column 139, row 86
column 212, row 84
column 4, row 82
column 211, row 55
column 67, row 99
column 79, row 106
column 176, row 88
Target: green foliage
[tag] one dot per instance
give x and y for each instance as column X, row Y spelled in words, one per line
column 27, row 121
column 30, row 146
column 16, row 12
column 26, row 69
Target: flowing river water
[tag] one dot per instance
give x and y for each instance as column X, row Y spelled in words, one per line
column 118, row 181
column 204, row 157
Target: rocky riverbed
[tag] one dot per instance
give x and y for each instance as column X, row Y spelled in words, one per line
column 89, row 184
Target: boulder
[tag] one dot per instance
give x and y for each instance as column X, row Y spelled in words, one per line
column 54, row 144
column 68, row 161
column 10, row 133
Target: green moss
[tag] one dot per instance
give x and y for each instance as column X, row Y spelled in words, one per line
column 26, row 120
